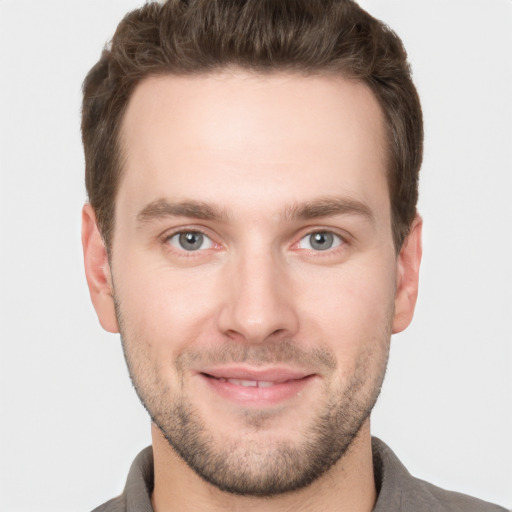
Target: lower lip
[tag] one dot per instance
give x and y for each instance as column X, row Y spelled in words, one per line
column 258, row 397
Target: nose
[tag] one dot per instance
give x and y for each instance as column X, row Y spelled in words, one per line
column 259, row 304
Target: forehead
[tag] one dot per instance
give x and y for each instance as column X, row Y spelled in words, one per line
column 240, row 137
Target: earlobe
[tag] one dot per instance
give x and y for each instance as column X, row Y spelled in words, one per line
column 97, row 271
column 408, row 267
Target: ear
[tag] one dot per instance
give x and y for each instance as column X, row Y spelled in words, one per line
column 97, row 271
column 408, row 268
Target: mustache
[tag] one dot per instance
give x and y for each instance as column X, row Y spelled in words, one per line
column 284, row 351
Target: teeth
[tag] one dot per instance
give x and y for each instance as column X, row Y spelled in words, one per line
column 245, row 383
column 251, row 383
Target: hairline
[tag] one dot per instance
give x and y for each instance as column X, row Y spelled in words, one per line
column 254, row 71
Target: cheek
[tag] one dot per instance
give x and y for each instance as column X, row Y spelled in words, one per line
column 168, row 310
column 350, row 309
column 164, row 309
column 356, row 295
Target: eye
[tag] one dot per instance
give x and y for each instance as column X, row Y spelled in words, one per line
column 320, row 241
column 190, row 241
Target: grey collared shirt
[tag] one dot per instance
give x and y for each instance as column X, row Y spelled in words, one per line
column 397, row 489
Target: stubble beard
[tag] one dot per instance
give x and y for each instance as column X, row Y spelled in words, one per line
column 253, row 467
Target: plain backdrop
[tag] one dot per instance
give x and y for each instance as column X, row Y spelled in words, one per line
column 70, row 423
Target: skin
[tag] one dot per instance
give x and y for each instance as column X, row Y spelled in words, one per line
column 259, row 151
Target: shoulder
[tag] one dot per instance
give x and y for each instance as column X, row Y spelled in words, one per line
column 139, row 486
column 419, row 493
column 114, row 505
column 399, row 490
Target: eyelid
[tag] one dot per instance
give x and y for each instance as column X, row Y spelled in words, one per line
column 204, row 239
column 169, row 234
column 344, row 239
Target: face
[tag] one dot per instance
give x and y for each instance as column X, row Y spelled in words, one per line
column 253, row 275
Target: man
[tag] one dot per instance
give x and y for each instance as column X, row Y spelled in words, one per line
column 252, row 233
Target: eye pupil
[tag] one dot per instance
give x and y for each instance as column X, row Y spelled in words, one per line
column 191, row 241
column 321, row 241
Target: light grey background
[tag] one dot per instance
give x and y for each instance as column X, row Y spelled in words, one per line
column 70, row 422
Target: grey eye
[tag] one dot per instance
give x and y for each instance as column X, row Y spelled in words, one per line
column 190, row 241
column 320, row 241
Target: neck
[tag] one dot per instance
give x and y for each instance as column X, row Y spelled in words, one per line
column 347, row 486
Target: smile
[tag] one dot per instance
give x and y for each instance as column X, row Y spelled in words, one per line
column 249, row 383
column 256, row 388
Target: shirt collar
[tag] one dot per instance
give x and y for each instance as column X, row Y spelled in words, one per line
column 388, row 471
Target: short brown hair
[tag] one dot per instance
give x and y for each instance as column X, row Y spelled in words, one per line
column 202, row 36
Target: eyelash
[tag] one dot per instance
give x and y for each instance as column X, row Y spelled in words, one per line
column 183, row 252
column 341, row 242
column 336, row 239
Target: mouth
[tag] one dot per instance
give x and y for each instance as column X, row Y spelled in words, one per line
column 256, row 387
column 248, row 383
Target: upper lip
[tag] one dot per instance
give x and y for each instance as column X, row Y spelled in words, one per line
column 274, row 374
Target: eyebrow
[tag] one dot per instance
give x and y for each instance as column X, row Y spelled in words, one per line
column 328, row 207
column 321, row 207
column 161, row 209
